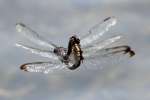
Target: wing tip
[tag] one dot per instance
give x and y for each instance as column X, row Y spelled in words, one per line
column 20, row 45
column 132, row 53
column 112, row 19
column 20, row 24
column 108, row 18
column 24, row 67
column 129, row 51
column 19, row 27
column 17, row 44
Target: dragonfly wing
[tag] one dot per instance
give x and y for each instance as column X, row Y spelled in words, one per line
column 108, row 57
column 108, row 52
column 97, row 31
column 44, row 53
column 33, row 36
column 100, row 45
column 42, row 67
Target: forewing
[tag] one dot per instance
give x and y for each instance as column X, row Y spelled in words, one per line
column 33, row 36
column 44, row 53
column 100, row 45
column 42, row 67
column 108, row 57
column 97, row 31
column 118, row 50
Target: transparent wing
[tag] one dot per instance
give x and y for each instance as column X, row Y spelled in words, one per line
column 97, row 31
column 100, row 45
column 107, row 52
column 40, row 52
column 33, row 36
column 107, row 57
column 42, row 67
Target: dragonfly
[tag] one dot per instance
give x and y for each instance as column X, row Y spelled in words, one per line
column 79, row 50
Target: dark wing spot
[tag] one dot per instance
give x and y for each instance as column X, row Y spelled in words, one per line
column 128, row 50
column 132, row 53
column 107, row 19
column 21, row 24
column 23, row 67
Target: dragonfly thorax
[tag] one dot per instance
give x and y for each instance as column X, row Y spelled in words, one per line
column 60, row 51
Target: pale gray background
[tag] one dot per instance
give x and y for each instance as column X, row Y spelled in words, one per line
column 58, row 19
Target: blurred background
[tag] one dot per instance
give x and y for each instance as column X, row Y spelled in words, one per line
column 57, row 20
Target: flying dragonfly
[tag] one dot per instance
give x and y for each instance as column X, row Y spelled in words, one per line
column 79, row 50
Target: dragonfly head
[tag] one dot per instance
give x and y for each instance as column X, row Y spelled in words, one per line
column 75, row 39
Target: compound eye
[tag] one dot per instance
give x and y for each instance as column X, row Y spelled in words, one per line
column 74, row 36
column 78, row 40
column 55, row 51
column 72, row 39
